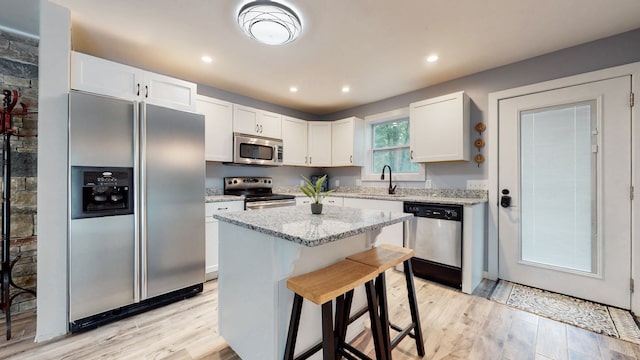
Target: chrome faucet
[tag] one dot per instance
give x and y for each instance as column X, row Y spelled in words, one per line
column 392, row 189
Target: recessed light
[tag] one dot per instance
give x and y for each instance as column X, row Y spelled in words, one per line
column 293, row 89
column 206, row 59
column 432, row 58
column 345, row 89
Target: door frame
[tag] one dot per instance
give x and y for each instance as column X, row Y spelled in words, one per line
column 632, row 69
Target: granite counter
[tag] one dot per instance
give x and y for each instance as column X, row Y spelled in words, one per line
column 297, row 224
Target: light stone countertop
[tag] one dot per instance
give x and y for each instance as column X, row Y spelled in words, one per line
column 221, row 198
column 297, row 224
column 400, row 197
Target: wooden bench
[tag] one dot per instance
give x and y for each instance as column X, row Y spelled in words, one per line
column 335, row 281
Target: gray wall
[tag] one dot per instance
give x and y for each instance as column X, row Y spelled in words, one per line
column 609, row 52
column 616, row 50
column 282, row 176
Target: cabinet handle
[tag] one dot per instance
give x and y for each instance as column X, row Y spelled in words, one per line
column 411, row 156
column 309, row 160
column 146, row 91
column 306, row 159
column 260, row 129
column 224, row 208
column 257, row 128
column 138, row 90
column 351, row 159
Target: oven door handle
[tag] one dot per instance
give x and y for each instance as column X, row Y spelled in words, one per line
column 254, row 205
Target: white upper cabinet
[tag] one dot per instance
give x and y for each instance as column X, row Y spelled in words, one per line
column 247, row 120
column 294, row 140
column 439, row 128
column 100, row 76
column 347, row 142
column 319, row 145
column 218, row 128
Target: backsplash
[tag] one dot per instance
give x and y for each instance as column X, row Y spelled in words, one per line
column 445, row 193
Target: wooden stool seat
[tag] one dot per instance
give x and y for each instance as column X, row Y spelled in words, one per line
column 329, row 282
column 322, row 286
column 383, row 258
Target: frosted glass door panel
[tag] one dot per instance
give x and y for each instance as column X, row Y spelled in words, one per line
column 558, row 178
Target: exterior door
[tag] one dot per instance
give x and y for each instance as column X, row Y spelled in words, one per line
column 564, row 182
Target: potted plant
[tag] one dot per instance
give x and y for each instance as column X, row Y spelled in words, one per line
column 315, row 193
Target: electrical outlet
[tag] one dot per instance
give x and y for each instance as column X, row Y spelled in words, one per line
column 477, row 185
column 358, row 182
column 337, row 183
column 301, row 182
column 427, row 184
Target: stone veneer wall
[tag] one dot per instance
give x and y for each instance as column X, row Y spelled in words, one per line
column 19, row 71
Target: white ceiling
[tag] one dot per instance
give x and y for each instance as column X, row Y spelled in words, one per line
column 377, row 47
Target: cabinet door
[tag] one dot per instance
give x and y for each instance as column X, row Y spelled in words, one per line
column 302, row 201
column 212, row 237
column 439, row 129
column 169, row 92
column 269, row 124
column 319, row 146
column 211, row 248
column 333, row 200
column 245, row 120
column 347, row 142
column 218, row 128
column 294, row 139
column 99, row 76
column 392, row 234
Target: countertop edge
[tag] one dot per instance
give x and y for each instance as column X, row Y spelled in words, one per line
column 312, row 243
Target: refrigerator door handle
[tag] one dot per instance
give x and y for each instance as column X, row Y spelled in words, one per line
column 142, row 203
column 136, row 203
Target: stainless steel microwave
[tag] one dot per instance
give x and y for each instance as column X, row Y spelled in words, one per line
column 256, row 150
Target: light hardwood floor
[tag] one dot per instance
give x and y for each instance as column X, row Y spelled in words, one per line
column 455, row 326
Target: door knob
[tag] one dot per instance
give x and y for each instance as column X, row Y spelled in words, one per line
column 505, row 200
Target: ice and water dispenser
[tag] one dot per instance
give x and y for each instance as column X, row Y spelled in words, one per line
column 101, row 191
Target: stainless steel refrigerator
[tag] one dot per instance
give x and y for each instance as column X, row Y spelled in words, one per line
column 136, row 207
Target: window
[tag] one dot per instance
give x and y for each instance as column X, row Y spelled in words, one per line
column 391, row 147
column 387, row 143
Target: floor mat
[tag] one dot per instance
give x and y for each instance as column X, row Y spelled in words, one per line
column 591, row 316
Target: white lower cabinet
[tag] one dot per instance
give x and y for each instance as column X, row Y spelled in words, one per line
column 329, row 200
column 211, row 233
column 333, row 200
column 392, row 234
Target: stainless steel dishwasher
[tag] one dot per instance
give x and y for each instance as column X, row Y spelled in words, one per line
column 435, row 234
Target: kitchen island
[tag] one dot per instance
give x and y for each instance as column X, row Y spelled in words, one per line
column 261, row 249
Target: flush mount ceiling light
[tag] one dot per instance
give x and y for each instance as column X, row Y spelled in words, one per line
column 269, row 22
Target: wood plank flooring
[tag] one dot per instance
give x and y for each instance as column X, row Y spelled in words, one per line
column 455, row 326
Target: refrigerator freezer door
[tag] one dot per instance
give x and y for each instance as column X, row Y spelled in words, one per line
column 100, row 130
column 100, row 265
column 172, row 182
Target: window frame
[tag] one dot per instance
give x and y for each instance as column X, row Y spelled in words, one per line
column 369, row 122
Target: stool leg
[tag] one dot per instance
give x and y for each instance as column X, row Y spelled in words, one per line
column 376, row 327
column 294, row 323
column 381, row 288
column 328, row 340
column 343, row 309
column 413, row 305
